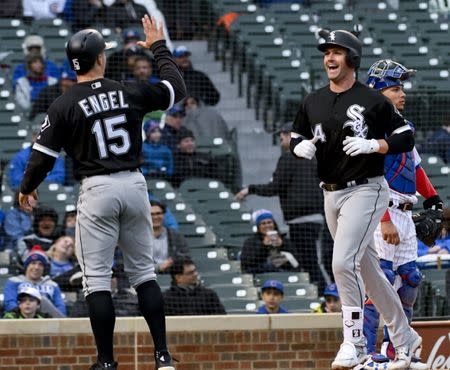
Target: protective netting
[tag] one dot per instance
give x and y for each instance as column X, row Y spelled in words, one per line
column 233, row 211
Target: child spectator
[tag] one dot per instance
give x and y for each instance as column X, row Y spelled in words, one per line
column 272, row 293
column 36, row 265
column 157, row 158
column 172, row 125
column 332, row 302
column 267, row 250
column 61, row 255
column 29, row 303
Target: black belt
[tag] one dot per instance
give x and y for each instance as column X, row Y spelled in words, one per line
column 110, row 173
column 344, row 185
column 402, row 206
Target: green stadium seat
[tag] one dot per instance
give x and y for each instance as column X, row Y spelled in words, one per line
column 287, row 278
column 207, row 254
column 164, row 281
column 217, row 265
column 206, row 240
column 234, row 292
column 227, row 278
column 199, row 184
column 240, row 306
column 300, row 305
column 301, row 290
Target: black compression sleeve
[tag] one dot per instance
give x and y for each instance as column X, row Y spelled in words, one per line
column 168, row 69
column 39, row 165
column 400, row 143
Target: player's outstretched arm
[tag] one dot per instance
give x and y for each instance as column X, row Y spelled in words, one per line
column 168, row 69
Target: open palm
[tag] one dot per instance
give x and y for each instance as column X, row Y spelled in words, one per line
column 153, row 31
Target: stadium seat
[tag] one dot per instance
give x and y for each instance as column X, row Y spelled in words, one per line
column 300, row 305
column 217, row 265
column 301, row 291
column 206, row 254
column 234, row 292
column 286, row 278
column 203, row 240
column 240, row 306
column 227, row 278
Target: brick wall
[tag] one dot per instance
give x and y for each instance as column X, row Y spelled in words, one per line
column 277, row 349
column 200, row 343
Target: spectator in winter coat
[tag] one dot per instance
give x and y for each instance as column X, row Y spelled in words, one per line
column 267, row 250
column 36, row 266
column 197, row 83
column 168, row 244
column 189, row 162
column 18, row 163
column 204, row 121
column 157, row 158
column 17, row 224
column 28, row 87
column 45, row 220
column 34, row 45
column 186, row 295
column 29, row 304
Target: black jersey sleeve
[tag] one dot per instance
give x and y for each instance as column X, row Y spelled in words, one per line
column 302, row 126
column 394, row 121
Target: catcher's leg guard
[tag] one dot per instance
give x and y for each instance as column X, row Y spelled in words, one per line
column 411, row 279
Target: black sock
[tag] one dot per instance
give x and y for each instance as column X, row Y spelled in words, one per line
column 103, row 319
column 151, row 304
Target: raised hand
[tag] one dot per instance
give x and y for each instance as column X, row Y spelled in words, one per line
column 153, row 31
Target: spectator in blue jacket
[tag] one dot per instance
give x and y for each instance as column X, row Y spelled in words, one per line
column 36, row 266
column 17, row 224
column 34, row 44
column 18, row 163
column 157, row 158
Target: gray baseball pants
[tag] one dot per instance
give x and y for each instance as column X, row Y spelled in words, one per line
column 352, row 215
column 114, row 210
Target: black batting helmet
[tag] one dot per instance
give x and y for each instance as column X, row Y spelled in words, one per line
column 344, row 39
column 83, row 47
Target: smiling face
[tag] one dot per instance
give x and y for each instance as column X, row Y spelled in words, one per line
column 64, row 247
column 46, row 226
column 396, row 95
column 335, row 65
column 34, row 271
column 266, row 225
column 157, row 217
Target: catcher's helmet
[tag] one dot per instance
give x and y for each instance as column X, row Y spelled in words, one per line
column 83, row 47
column 347, row 40
column 386, row 73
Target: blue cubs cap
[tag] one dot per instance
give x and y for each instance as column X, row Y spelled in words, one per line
column 274, row 284
column 175, row 110
column 331, row 289
column 181, row 51
column 150, row 125
column 131, row 34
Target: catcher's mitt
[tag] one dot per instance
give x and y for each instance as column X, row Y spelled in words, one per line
column 429, row 224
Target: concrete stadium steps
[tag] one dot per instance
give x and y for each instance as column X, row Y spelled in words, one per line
column 258, row 155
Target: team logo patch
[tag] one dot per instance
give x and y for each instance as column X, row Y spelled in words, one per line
column 349, row 323
column 76, row 64
column 45, row 124
column 332, row 36
column 357, row 122
column 356, row 333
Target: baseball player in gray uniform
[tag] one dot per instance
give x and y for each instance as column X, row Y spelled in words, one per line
column 98, row 123
column 349, row 127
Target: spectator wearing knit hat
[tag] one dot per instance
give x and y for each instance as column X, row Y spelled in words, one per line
column 157, row 158
column 189, row 162
column 36, row 265
column 267, row 250
column 34, row 44
column 29, row 303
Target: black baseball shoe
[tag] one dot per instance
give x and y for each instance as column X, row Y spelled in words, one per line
column 163, row 361
column 104, row 366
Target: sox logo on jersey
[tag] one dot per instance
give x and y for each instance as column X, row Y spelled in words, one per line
column 356, row 121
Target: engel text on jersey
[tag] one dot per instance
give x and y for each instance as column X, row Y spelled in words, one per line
column 102, row 102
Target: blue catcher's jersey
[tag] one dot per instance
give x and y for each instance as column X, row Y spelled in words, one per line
column 400, row 171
